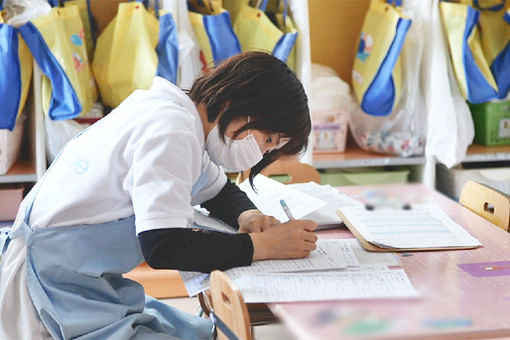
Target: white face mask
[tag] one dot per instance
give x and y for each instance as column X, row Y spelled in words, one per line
column 235, row 155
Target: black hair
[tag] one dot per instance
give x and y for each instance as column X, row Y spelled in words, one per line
column 258, row 85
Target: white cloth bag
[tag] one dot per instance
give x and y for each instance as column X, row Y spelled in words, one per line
column 190, row 66
column 450, row 125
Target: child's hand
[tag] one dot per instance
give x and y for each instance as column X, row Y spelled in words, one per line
column 290, row 240
column 254, row 221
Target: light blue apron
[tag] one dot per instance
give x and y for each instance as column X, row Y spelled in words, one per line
column 74, row 276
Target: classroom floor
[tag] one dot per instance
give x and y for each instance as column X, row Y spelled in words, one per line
column 266, row 332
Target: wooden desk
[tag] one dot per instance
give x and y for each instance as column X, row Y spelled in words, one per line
column 454, row 304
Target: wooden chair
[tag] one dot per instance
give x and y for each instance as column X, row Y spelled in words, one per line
column 158, row 283
column 296, row 171
column 228, row 304
column 489, row 203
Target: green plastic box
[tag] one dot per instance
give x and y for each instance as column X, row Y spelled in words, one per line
column 364, row 176
column 492, row 123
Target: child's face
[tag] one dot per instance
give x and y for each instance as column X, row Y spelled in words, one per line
column 266, row 141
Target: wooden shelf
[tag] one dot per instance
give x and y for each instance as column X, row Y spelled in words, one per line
column 22, row 171
column 354, row 157
column 481, row 153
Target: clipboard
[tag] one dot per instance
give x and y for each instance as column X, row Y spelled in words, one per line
column 375, row 248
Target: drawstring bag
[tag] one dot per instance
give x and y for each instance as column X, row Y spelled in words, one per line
column 403, row 131
column 376, row 74
column 16, row 66
column 213, row 29
column 257, row 32
column 134, row 47
column 472, row 70
column 57, row 43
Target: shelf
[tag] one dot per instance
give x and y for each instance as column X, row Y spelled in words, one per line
column 356, row 157
column 480, row 153
column 22, row 171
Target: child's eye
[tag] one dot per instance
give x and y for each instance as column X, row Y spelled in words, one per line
column 269, row 140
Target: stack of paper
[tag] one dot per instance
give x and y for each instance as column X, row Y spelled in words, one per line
column 326, row 216
column 424, row 226
column 326, row 286
column 202, row 220
column 338, row 269
column 310, row 201
column 270, row 192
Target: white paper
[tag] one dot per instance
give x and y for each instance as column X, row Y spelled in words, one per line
column 327, row 256
column 424, row 226
column 195, row 282
column 331, row 255
column 202, row 221
column 325, row 216
column 270, row 192
column 325, row 286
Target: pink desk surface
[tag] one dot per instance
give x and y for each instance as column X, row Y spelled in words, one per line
column 453, row 303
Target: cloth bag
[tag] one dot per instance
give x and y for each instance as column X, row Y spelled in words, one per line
column 472, row 70
column 403, row 131
column 257, row 32
column 285, row 49
column 16, row 66
column 89, row 25
column 189, row 65
column 213, row 29
column 491, row 5
column 57, row 43
column 495, row 39
column 134, row 47
column 376, row 74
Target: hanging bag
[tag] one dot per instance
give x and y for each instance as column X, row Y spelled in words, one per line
column 376, row 74
column 403, row 131
column 89, row 25
column 189, row 65
column 16, row 65
column 134, row 47
column 57, row 44
column 257, row 32
column 495, row 39
column 214, row 32
column 285, row 48
column 472, row 70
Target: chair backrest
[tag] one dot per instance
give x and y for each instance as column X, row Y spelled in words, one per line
column 228, row 304
column 296, row 171
column 491, row 204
